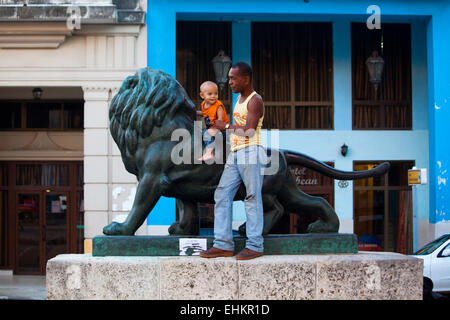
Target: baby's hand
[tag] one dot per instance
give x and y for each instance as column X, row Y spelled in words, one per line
column 199, row 113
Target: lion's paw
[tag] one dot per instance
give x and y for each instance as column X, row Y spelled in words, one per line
column 177, row 228
column 117, row 229
column 174, row 228
column 321, row 227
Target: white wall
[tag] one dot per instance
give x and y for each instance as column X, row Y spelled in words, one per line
column 90, row 63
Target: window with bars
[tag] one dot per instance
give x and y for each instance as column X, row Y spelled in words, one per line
column 388, row 107
column 41, row 114
column 293, row 71
column 197, row 44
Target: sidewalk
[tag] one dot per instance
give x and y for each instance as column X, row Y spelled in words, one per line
column 22, row 287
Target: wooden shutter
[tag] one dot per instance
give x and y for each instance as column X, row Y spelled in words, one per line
column 293, row 72
column 390, row 106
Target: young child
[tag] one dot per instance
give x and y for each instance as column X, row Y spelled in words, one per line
column 212, row 109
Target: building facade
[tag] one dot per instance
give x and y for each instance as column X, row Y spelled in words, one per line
column 62, row 177
column 309, row 63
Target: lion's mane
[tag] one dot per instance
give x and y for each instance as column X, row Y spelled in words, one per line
column 146, row 99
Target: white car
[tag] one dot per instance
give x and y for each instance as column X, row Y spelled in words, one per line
column 436, row 264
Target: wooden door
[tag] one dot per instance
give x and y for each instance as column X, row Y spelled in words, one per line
column 314, row 184
column 42, row 213
column 42, row 229
column 30, row 235
column 56, row 224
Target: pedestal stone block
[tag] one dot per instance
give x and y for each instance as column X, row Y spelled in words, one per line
column 196, row 278
column 361, row 276
column 375, row 275
column 277, row 278
column 78, row 277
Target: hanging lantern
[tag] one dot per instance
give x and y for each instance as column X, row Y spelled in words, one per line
column 37, row 93
column 221, row 64
column 375, row 65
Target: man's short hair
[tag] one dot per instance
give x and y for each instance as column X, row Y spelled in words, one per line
column 244, row 69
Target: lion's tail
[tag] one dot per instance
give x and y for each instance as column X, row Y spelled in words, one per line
column 316, row 165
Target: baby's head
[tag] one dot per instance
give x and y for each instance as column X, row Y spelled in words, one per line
column 209, row 92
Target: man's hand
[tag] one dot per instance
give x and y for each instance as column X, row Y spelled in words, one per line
column 219, row 124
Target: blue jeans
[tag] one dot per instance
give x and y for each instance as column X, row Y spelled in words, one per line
column 242, row 166
column 209, row 140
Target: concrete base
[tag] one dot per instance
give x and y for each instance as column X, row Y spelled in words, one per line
column 365, row 275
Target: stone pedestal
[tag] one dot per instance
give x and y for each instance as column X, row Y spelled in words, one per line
column 364, row 275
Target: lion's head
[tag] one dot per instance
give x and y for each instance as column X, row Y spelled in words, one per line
column 147, row 99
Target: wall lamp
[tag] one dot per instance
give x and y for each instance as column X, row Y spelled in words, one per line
column 344, row 149
column 37, row 93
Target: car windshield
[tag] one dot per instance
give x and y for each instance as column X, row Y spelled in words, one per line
column 429, row 248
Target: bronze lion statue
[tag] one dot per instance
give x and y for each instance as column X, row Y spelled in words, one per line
column 149, row 106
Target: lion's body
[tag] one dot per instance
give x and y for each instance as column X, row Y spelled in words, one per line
column 147, row 109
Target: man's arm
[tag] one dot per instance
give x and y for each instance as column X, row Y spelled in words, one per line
column 255, row 109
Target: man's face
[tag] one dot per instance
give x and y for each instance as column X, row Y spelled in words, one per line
column 236, row 81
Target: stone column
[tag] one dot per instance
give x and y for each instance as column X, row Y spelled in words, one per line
column 108, row 188
column 96, row 162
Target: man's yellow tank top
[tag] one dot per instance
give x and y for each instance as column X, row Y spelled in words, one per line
column 240, row 118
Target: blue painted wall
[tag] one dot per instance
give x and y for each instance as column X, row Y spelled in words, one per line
column 427, row 143
column 439, row 113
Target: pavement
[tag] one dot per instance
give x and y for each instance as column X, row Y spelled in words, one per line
column 15, row 287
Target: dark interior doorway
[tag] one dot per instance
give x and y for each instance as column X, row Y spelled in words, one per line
column 42, row 213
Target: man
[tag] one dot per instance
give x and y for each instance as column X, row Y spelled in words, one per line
column 244, row 164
